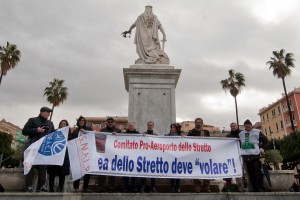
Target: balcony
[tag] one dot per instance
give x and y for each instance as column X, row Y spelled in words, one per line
column 288, row 124
column 286, row 110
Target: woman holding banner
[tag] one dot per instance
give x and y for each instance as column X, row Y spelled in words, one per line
column 81, row 126
column 60, row 171
column 175, row 130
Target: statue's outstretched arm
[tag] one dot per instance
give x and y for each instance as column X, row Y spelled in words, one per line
column 132, row 27
column 163, row 32
column 129, row 31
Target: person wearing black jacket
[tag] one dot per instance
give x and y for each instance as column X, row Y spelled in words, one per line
column 199, row 131
column 36, row 128
column 60, row 171
column 175, row 130
column 110, row 128
column 150, row 126
column 81, row 126
column 130, row 130
column 234, row 133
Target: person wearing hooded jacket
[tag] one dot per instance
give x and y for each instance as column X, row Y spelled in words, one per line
column 81, row 126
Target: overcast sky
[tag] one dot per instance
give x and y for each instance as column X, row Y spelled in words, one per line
column 79, row 41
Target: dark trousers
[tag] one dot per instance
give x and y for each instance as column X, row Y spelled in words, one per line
column 255, row 174
column 175, row 184
column 126, row 183
column 143, row 182
column 111, row 182
column 86, row 180
column 42, row 169
column 61, row 182
column 202, row 185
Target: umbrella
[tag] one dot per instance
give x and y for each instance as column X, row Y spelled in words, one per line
column 266, row 173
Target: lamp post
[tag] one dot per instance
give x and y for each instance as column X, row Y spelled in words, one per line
column 273, row 141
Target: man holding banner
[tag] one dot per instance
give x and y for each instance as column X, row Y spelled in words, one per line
column 110, row 128
column 36, row 128
column 199, row 131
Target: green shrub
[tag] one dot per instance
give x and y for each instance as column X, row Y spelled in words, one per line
column 290, row 146
column 273, row 156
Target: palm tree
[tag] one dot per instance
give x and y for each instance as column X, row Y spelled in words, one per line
column 281, row 65
column 56, row 93
column 234, row 84
column 9, row 58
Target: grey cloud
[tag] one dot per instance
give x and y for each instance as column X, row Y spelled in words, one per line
column 80, row 42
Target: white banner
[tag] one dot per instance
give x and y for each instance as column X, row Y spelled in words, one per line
column 155, row 156
column 49, row 150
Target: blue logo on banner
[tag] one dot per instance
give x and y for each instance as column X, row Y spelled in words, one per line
column 53, row 143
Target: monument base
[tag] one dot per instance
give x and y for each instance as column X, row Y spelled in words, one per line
column 151, row 90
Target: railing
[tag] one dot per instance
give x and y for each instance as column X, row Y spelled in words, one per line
column 288, row 124
column 285, row 109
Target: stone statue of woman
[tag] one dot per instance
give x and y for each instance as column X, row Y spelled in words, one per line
column 147, row 40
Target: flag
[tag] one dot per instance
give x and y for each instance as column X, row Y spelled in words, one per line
column 81, row 154
column 49, row 150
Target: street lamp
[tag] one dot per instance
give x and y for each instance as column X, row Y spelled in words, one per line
column 273, row 141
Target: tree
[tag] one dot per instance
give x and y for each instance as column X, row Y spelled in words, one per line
column 234, row 84
column 7, row 151
column 9, row 58
column 56, row 93
column 290, row 150
column 289, row 146
column 281, row 65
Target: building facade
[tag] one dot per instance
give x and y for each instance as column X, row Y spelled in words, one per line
column 11, row 129
column 186, row 126
column 275, row 119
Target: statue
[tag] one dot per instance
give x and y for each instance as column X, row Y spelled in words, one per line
column 146, row 39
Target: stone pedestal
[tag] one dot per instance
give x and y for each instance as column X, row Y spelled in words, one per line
column 151, row 95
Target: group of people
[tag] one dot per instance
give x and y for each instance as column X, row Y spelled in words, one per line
column 252, row 141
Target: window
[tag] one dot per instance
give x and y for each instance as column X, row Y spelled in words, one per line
column 279, row 111
column 267, row 115
column 263, row 118
column 273, row 112
column 270, row 130
column 281, row 123
column 276, row 126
